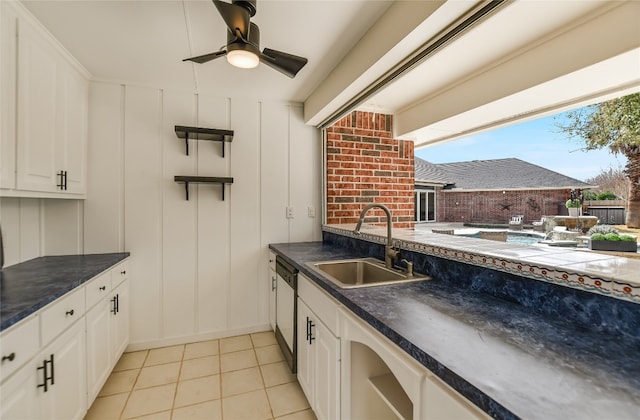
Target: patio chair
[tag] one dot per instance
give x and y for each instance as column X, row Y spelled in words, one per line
column 494, row 236
column 516, row 222
column 540, row 225
column 443, row 231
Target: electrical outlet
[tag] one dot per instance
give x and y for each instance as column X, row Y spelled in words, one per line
column 289, row 212
column 311, row 211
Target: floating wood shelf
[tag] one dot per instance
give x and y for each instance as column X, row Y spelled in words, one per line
column 202, row 180
column 199, row 133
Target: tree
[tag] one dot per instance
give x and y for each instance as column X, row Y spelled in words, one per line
column 614, row 124
column 612, row 180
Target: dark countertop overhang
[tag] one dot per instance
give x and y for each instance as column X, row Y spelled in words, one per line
column 507, row 360
column 31, row 285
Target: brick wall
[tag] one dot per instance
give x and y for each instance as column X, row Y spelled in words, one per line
column 498, row 207
column 365, row 165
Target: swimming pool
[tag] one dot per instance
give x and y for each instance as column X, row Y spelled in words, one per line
column 522, row 238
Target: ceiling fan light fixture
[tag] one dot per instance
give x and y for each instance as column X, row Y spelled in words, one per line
column 243, row 59
column 243, row 42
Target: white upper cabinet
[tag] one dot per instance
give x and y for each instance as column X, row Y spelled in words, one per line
column 71, row 136
column 36, row 112
column 49, row 113
column 8, row 57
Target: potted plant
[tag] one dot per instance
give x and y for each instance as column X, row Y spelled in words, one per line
column 613, row 241
column 573, row 205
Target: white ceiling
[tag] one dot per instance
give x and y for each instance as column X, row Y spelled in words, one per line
column 144, row 41
column 529, row 58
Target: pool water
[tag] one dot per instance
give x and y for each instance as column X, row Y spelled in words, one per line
column 515, row 238
column 523, row 239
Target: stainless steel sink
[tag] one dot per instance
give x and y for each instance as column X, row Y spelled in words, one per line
column 361, row 272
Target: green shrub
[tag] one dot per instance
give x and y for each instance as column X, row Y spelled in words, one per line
column 590, row 195
column 607, row 195
column 604, row 229
column 612, row 237
column 598, row 237
column 627, row 238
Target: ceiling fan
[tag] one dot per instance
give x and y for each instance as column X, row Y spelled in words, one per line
column 243, row 41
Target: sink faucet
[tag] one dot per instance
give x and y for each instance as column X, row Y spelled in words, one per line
column 390, row 254
column 409, row 267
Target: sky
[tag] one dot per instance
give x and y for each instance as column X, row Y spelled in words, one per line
column 536, row 141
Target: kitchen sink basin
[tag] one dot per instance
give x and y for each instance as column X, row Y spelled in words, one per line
column 361, row 272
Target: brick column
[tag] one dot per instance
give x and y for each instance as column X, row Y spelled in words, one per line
column 366, row 165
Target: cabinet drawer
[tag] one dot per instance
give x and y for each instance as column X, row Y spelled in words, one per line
column 97, row 288
column 61, row 314
column 19, row 344
column 319, row 302
column 119, row 273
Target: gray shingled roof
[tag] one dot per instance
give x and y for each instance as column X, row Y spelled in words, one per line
column 494, row 174
column 430, row 173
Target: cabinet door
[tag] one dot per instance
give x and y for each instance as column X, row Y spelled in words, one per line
column 327, row 372
column 36, row 112
column 71, row 136
column 318, row 364
column 66, row 397
column 99, row 348
column 19, row 395
column 305, row 352
column 8, row 57
column 120, row 321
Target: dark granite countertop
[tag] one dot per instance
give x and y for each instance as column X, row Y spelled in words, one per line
column 507, row 360
column 29, row 286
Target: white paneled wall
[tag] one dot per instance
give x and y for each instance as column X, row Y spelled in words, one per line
column 199, row 266
column 33, row 227
column 20, row 219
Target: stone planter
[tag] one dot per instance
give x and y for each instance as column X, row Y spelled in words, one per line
column 574, row 211
column 620, row 246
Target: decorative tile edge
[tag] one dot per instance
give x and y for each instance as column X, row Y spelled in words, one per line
column 625, row 291
column 581, row 281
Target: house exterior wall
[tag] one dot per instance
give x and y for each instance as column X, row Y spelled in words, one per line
column 365, row 164
column 498, row 206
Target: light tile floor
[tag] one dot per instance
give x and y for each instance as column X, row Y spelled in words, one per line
column 243, row 377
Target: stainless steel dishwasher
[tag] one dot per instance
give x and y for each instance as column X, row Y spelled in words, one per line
column 286, row 310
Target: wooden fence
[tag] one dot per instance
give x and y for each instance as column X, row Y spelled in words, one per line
column 609, row 212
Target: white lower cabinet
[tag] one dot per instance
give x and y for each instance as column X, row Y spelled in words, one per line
column 318, row 350
column 107, row 337
column 61, row 379
column 119, row 326
column 318, row 364
column 98, row 347
column 53, row 384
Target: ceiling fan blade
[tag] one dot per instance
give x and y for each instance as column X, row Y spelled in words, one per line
column 207, row 57
column 236, row 18
column 285, row 63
